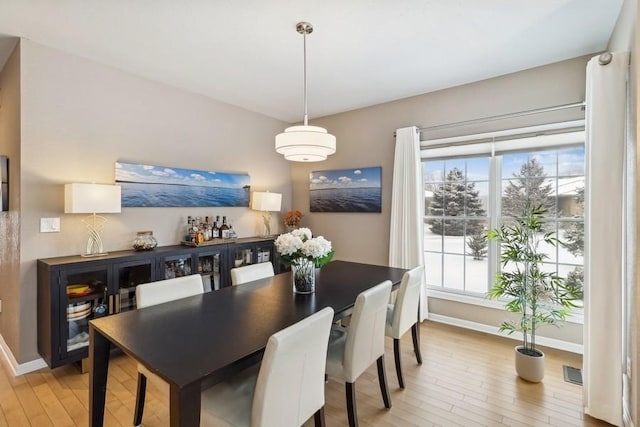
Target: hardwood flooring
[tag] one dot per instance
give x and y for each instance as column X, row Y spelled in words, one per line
column 467, row 379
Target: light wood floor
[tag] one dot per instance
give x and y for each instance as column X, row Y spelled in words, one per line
column 467, row 378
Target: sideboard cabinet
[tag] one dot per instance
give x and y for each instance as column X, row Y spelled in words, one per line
column 73, row 290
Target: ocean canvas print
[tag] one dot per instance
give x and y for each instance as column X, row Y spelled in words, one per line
column 159, row 186
column 346, row 190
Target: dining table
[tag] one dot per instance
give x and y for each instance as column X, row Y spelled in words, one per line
column 195, row 342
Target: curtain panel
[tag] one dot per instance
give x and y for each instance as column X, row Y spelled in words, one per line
column 604, row 254
column 406, row 226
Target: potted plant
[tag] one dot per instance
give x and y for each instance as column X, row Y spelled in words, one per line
column 540, row 297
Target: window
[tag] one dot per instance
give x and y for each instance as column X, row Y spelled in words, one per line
column 456, row 206
column 471, row 188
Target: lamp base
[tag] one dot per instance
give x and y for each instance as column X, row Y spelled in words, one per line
column 92, row 255
column 95, row 224
column 266, row 219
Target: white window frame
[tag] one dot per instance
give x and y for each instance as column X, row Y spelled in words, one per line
column 544, row 137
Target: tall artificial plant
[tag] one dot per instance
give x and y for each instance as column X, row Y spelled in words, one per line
column 541, row 297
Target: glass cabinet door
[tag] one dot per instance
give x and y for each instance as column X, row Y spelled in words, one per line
column 84, row 295
column 176, row 266
column 129, row 276
column 208, row 265
column 243, row 255
column 264, row 253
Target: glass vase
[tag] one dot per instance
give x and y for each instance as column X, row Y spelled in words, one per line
column 144, row 241
column 303, row 272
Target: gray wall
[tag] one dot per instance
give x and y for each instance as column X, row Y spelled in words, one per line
column 10, row 289
column 365, row 138
column 80, row 117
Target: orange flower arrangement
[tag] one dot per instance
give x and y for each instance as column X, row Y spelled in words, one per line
column 292, row 218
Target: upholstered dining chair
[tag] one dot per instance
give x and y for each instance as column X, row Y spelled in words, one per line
column 153, row 293
column 403, row 315
column 352, row 350
column 248, row 273
column 289, row 386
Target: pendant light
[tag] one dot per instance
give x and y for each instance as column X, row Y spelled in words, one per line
column 305, row 143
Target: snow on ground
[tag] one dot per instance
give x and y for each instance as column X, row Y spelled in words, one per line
column 460, row 268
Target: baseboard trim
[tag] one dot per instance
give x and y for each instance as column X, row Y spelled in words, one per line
column 516, row 336
column 16, row 368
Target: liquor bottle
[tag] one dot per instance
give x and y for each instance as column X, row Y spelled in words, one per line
column 195, row 231
column 215, row 232
column 224, row 228
column 202, row 230
column 232, row 232
column 187, row 234
column 207, row 229
column 218, row 226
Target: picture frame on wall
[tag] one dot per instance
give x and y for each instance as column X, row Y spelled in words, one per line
column 346, row 190
column 161, row 186
column 4, row 183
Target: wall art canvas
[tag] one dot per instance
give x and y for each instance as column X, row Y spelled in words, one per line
column 159, row 186
column 346, row 190
column 4, row 183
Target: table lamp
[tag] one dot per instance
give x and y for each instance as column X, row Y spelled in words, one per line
column 267, row 203
column 92, row 199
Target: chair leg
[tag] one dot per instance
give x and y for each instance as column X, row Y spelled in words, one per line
column 382, row 379
column 415, row 332
column 396, row 355
column 140, row 395
column 318, row 418
column 352, row 414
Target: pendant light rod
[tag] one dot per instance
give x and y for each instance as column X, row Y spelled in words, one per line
column 304, row 28
column 304, row 143
column 304, row 79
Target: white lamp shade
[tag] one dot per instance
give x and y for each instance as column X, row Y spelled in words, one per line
column 91, row 198
column 305, row 143
column 265, row 201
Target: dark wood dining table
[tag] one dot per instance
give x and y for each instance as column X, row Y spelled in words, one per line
column 195, row 342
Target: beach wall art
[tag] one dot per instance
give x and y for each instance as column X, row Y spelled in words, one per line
column 160, row 186
column 346, row 190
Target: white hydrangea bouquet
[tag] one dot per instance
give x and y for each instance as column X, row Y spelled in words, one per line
column 304, row 253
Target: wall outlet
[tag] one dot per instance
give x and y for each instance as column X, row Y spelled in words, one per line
column 49, row 225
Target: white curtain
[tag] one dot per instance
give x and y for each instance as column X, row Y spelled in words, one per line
column 604, row 245
column 406, row 228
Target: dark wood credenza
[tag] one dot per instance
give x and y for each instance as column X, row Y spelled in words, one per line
column 73, row 289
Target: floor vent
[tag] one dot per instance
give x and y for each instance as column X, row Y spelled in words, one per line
column 572, row 375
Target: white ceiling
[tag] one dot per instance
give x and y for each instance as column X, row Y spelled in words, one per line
column 362, row 52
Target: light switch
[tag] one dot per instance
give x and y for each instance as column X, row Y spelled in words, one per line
column 49, row 225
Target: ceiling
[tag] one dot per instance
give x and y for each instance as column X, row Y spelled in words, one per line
column 362, row 52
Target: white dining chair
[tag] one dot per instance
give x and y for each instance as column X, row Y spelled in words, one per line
column 402, row 315
column 153, row 293
column 289, row 386
column 352, row 350
column 249, row 273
